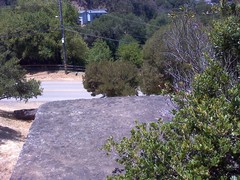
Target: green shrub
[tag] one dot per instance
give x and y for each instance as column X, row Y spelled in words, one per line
column 225, row 38
column 109, row 78
column 201, row 142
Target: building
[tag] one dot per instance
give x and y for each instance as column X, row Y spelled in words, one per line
column 87, row 16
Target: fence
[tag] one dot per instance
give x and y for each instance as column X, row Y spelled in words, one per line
column 53, row 67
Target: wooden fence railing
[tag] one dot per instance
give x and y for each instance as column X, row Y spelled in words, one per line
column 53, row 67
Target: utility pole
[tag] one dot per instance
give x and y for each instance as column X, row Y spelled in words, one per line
column 63, row 36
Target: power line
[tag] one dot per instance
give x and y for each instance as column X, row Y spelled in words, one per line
column 92, row 30
column 138, row 22
column 24, row 32
column 106, row 38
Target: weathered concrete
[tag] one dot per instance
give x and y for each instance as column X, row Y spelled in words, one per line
column 65, row 139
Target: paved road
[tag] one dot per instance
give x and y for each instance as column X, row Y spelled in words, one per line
column 62, row 90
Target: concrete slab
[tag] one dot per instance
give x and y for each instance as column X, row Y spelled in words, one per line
column 66, row 136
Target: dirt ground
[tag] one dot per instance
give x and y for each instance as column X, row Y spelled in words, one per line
column 55, row 75
column 13, row 132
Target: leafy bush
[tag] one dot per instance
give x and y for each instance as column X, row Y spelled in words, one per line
column 225, row 38
column 201, row 142
column 109, row 78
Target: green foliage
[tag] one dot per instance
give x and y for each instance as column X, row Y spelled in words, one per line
column 144, row 8
column 172, row 4
column 99, row 52
column 13, row 82
column 157, row 23
column 225, row 37
column 76, row 49
column 130, row 52
column 110, row 78
column 201, row 142
column 206, row 12
column 127, row 39
column 154, row 77
column 31, row 30
column 115, row 26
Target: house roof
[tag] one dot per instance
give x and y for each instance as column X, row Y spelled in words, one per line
column 103, row 11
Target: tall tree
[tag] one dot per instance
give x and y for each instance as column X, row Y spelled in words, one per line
column 31, row 30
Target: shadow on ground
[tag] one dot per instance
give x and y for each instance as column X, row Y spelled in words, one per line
column 9, row 134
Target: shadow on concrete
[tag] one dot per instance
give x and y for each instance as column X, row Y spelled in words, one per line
column 9, row 134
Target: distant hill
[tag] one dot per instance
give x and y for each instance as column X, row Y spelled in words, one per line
column 146, row 8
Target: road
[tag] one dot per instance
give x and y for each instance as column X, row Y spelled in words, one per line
column 61, row 90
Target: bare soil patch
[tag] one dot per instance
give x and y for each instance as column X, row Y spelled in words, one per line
column 55, row 75
column 13, row 132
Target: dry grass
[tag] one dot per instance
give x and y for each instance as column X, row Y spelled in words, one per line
column 13, row 133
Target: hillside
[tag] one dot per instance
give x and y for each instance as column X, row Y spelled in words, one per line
column 137, row 7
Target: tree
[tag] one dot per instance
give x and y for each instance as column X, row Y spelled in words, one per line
column 110, row 78
column 153, row 75
column 172, row 4
column 31, row 30
column 146, row 9
column 77, row 49
column 201, row 142
column 99, row 52
column 127, row 39
column 130, row 52
column 157, row 23
column 187, row 47
column 205, row 12
column 113, row 27
column 13, row 83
